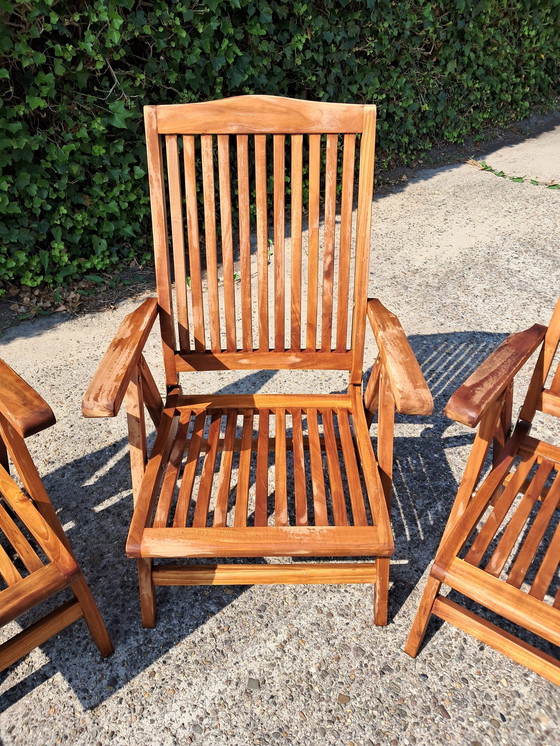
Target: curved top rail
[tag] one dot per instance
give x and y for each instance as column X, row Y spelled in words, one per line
column 259, row 115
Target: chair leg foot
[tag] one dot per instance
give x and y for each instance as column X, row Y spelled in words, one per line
column 92, row 617
column 147, row 593
column 418, row 629
column 381, row 592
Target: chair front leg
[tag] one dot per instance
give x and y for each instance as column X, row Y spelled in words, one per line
column 147, row 592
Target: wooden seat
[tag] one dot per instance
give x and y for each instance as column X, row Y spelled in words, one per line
column 257, row 475
column 36, row 561
column 501, row 546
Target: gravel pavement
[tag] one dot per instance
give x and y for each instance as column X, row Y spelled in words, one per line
column 463, row 257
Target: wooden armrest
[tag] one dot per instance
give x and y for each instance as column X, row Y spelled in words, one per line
column 484, row 386
column 406, row 381
column 25, row 410
column 106, row 391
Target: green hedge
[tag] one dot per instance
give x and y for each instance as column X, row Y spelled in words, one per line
column 74, row 77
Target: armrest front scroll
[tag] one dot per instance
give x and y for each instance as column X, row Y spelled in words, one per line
column 21, row 405
column 106, row 391
column 406, row 381
column 490, row 379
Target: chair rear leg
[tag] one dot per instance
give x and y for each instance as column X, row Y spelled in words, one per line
column 92, row 616
column 381, row 592
column 147, row 593
column 418, row 629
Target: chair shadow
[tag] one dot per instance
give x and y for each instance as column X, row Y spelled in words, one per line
column 96, row 525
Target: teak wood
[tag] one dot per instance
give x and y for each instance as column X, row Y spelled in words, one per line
column 264, row 278
column 501, row 546
column 36, row 560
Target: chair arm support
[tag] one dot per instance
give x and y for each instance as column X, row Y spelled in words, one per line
column 106, row 391
column 406, row 381
column 471, row 400
column 25, row 410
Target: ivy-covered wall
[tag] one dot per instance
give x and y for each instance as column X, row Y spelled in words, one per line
column 75, row 75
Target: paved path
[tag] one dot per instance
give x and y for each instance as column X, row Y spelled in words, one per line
column 463, row 257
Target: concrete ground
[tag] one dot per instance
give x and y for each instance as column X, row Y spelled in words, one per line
column 463, row 257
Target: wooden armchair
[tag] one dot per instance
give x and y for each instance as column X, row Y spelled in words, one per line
column 36, row 561
column 258, row 475
column 501, row 546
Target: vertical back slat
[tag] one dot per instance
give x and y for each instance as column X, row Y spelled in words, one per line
column 345, row 242
column 208, row 189
column 295, row 239
column 328, row 243
column 244, row 240
column 313, row 238
column 195, row 268
column 279, row 251
column 363, row 237
column 227, row 240
column 178, row 239
column 159, row 227
column 262, row 239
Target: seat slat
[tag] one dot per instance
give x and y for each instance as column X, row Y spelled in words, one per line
column 345, row 241
column 328, row 243
column 279, row 248
column 300, row 479
column 227, row 240
column 280, row 488
column 548, row 567
column 178, row 240
column 195, row 269
column 352, row 473
column 172, row 471
column 17, row 539
column 262, row 240
column 8, row 570
column 295, row 239
column 534, row 536
column 261, row 481
column 244, row 473
column 335, row 477
column 499, row 510
column 207, row 475
column 313, row 240
column 224, row 477
column 189, row 471
column 208, row 191
column 244, row 241
column 505, row 546
column 317, row 471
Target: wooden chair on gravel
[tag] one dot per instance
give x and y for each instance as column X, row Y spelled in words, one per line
column 501, row 546
column 36, row 561
column 258, row 475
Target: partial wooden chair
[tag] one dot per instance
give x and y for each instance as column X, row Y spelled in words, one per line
column 36, row 561
column 258, row 475
column 501, row 546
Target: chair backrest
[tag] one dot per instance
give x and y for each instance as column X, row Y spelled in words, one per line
column 544, row 390
column 281, row 170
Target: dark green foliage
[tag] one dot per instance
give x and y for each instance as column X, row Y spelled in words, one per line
column 75, row 75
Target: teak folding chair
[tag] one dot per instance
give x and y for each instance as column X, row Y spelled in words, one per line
column 259, row 475
column 501, row 546
column 36, row 561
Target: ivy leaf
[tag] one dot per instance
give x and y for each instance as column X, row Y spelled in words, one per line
column 120, row 114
